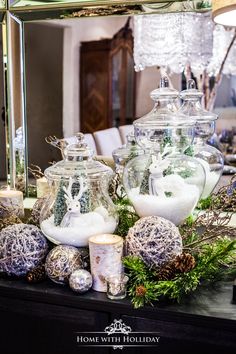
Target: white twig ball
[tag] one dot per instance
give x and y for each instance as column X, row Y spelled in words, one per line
column 156, row 240
column 22, row 248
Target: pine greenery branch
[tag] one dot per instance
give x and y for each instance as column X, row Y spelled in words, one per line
column 127, row 216
column 214, row 262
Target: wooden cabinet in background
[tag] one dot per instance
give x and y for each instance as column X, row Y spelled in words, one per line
column 107, row 82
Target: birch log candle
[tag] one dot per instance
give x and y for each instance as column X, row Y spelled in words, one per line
column 12, row 200
column 106, row 253
column 42, row 187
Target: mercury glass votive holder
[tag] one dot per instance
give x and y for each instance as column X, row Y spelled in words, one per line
column 116, row 286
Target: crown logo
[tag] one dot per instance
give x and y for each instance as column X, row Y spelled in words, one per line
column 117, row 326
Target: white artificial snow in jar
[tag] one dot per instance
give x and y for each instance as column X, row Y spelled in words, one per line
column 86, row 225
column 176, row 202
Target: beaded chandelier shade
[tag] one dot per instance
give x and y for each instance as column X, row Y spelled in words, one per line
column 175, row 40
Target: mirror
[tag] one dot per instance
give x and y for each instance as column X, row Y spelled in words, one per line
column 78, row 72
column 3, row 121
column 79, row 75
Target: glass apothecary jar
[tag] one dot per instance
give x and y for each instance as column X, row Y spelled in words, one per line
column 163, row 126
column 126, row 153
column 211, row 159
column 164, row 182
column 78, row 205
column 167, row 186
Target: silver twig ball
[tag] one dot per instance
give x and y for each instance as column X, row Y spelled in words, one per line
column 156, row 240
column 22, row 248
column 61, row 261
column 80, row 281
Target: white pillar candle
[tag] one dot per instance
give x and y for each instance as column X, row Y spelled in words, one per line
column 106, row 252
column 42, row 187
column 12, row 200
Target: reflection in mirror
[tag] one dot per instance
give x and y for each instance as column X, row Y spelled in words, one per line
column 80, row 77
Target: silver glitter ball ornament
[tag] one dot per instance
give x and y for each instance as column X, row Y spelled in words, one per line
column 61, row 261
column 80, row 281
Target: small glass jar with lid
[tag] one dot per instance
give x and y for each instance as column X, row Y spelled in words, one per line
column 164, row 182
column 211, row 158
column 125, row 153
column 78, row 205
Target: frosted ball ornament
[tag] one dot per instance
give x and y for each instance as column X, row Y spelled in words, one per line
column 163, row 125
column 80, row 281
column 61, row 261
column 79, row 205
column 211, row 158
column 22, row 248
column 156, row 240
column 166, row 186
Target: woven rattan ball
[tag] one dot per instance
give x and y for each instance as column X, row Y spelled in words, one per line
column 156, row 240
column 22, row 248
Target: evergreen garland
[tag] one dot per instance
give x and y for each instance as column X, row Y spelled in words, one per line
column 214, row 262
column 211, row 244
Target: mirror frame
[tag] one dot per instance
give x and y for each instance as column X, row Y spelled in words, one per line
column 63, row 10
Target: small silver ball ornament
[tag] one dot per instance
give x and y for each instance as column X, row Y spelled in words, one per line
column 80, row 281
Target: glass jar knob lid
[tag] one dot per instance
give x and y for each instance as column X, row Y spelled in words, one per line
column 164, row 90
column 191, row 92
column 78, row 151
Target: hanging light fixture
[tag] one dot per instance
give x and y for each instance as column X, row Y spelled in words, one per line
column 173, row 40
column 224, row 12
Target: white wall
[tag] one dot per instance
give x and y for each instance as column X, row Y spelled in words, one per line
column 77, row 31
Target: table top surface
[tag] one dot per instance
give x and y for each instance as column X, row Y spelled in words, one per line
column 211, row 304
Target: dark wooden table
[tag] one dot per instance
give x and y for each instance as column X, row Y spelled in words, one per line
column 45, row 317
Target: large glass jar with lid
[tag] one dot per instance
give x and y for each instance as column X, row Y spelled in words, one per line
column 78, row 205
column 162, row 126
column 164, row 182
column 210, row 157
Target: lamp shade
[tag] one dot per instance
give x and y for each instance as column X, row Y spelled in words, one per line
column 224, row 12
